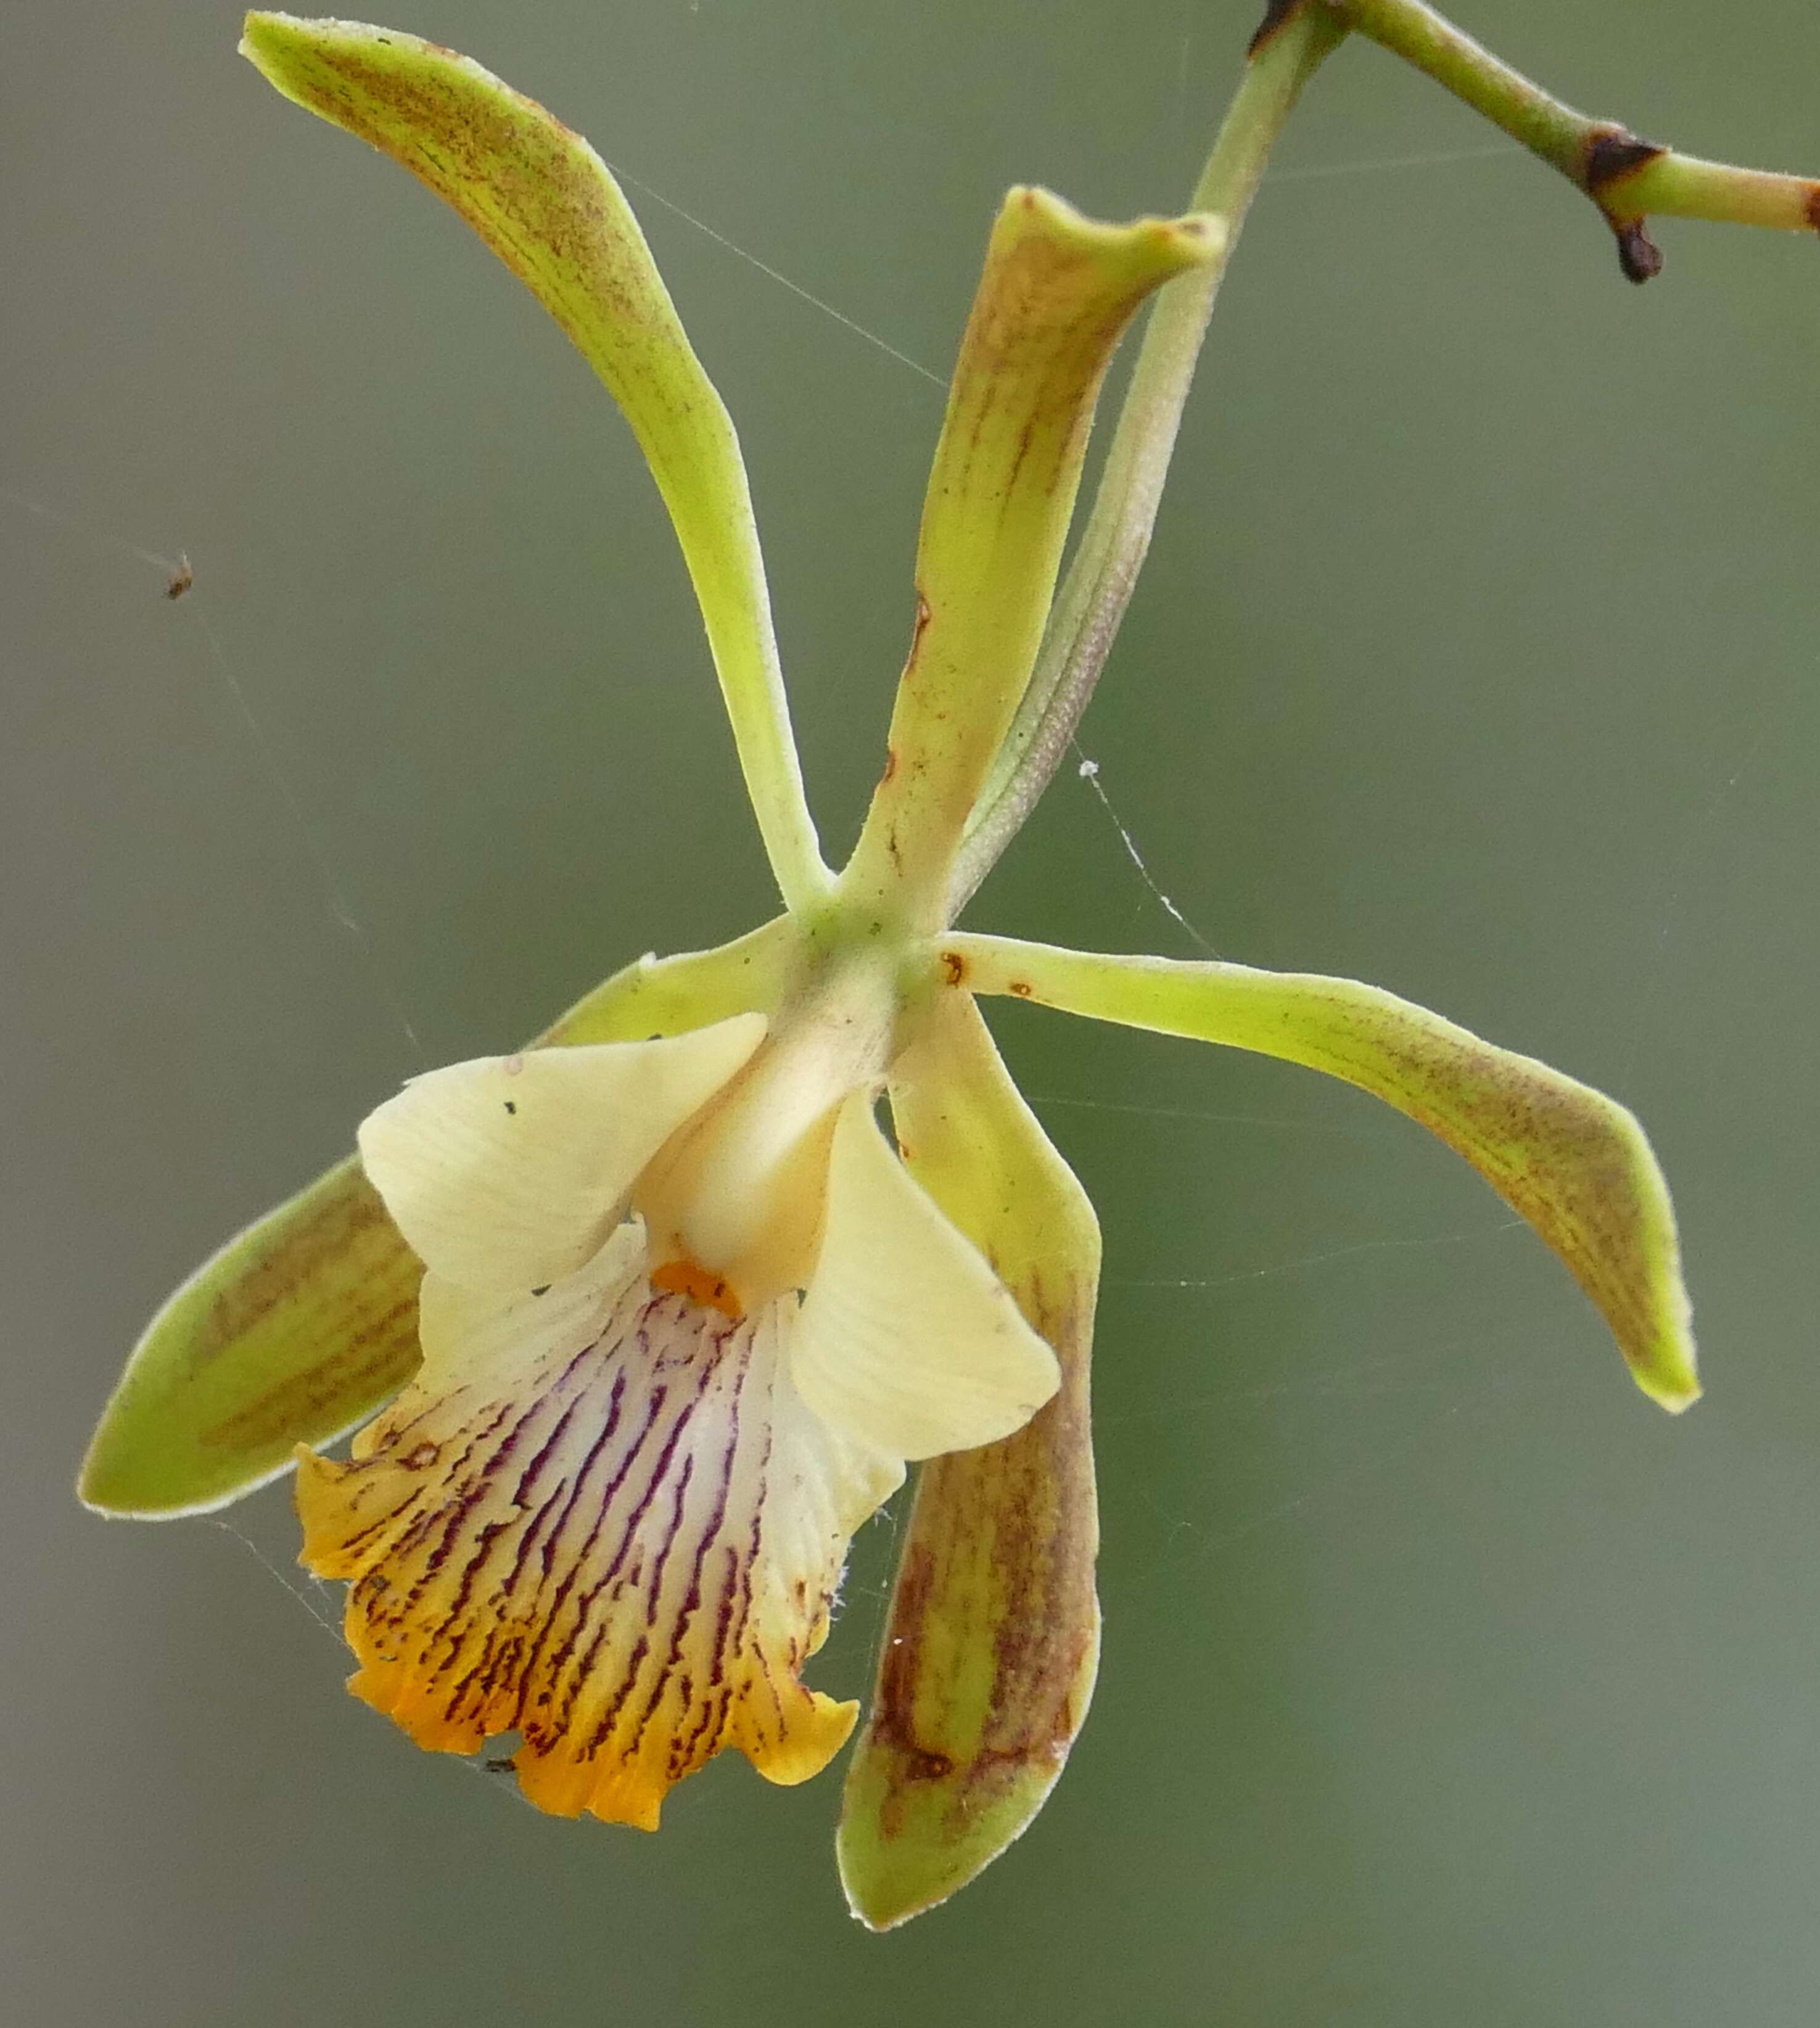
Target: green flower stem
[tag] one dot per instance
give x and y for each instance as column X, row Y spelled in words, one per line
column 1099, row 579
column 1626, row 178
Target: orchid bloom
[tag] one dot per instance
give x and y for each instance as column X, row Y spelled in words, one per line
column 686, row 1311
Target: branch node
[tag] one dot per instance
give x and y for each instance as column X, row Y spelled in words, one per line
column 1612, row 154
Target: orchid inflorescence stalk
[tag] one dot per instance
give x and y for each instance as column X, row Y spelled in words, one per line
column 637, row 1327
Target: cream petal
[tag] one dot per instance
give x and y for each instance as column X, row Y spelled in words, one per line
column 510, row 1171
column 603, row 1519
column 906, row 1338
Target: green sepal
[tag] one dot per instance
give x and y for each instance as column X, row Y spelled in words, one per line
column 993, row 1638
column 1057, row 291
column 1575, row 1163
column 298, row 1329
column 547, row 204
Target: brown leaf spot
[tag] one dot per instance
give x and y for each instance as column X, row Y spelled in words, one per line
column 953, row 968
column 918, row 626
column 1022, row 987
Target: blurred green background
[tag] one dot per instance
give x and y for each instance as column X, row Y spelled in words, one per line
column 1446, row 1681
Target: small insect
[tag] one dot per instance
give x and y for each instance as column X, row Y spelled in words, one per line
column 181, row 578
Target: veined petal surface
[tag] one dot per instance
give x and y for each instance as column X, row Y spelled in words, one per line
column 547, row 205
column 601, row 1518
column 509, row 1172
column 907, row 1340
column 1572, row 1162
column 301, row 1327
column 990, row 1652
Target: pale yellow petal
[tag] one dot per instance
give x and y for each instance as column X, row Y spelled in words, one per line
column 305, row 1323
column 601, row 1519
column 906, row 1338
column 510, row 1171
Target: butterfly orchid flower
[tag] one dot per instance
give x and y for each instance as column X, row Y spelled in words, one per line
column 637, row 1327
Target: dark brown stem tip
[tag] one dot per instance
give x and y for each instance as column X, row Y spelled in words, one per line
column 1276, row 13
column 1638, row 255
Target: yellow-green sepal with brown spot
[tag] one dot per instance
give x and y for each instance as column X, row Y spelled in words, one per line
column 1576, row 1164
column 547, row 205
column 993, row 1638
column 1057, row 291
column 305, row 1324
column 295, row 1331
